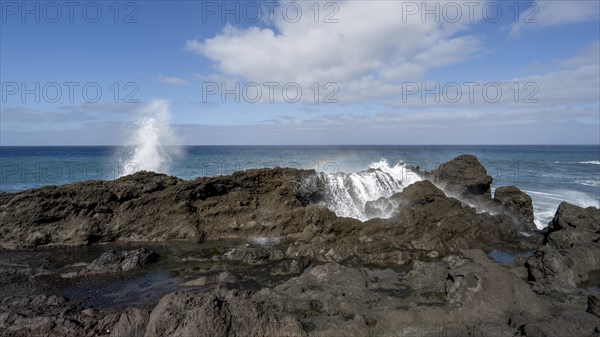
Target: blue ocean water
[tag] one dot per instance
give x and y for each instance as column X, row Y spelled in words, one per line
column 550, row 174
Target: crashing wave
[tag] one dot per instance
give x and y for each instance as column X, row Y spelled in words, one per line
column 365, row 195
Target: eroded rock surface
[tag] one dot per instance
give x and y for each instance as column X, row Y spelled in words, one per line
column 264, row 257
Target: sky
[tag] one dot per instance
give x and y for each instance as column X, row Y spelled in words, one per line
column 301, row 72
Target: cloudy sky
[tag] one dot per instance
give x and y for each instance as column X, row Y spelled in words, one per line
column 305, row 72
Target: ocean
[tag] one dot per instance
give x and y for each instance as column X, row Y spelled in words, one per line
column 548, row 173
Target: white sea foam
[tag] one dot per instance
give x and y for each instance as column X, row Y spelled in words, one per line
column 266, row 241
column 148, row 144
column 589, row 182
column 364, row 195
column 593, row 162
column 546, row 203
column 551, row 195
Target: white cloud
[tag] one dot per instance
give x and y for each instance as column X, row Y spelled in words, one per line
column 173, row 80
column 546, row 13
column 371, row 41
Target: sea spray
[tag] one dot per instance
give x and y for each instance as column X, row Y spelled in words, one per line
column 365, row 195
column 151, row 145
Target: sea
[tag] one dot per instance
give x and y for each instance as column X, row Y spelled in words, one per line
column 355, row 175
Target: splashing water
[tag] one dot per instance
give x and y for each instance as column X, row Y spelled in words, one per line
column 148, row 143
column 365, row 195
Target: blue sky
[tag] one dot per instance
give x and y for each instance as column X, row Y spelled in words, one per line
column 373, row 59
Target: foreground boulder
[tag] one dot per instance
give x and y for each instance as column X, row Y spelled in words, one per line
column 570, row 253
column 461, row 295
column 573, row 225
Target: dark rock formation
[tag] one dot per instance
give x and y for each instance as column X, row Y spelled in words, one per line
column 570, row 253
column 594, row 305
column 221, row 314
column 113, row 261
column 43, row 315
column 573, row 225
column 463, row 177
column 266, row 258
column 154, row 207
column 133, row 322
column 515, row 203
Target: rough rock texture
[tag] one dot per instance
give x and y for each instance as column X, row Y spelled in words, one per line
column 515, row 203
column 265, row 258
column 594, row 305
column 43, row 315
column 113, row 261
column 223, row 277
column 464, row 177
column 259, row 203
column 573, row 225
column 220, row 314
column 466, row 295
column 133, row 323
column 155, row 207
column 570, row 253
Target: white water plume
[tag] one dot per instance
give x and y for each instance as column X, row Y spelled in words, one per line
column 365, row 195
column 148, row 144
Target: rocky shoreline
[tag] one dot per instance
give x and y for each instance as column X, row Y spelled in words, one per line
column 257, row 253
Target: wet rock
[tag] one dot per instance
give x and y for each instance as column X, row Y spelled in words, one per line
column 222, row 313
column 571, row 248
column 131, row 323
column 51, row 315
column 248, row 254
column 566, row 323
column 573, row 225
column 517, row 204
column 147, row 206
column 291, row 266
column 428, row 220
column 570, row 254
column 113, row 261
column 422, row 271
column 594, row 305
column 464, row 177
column 223, row 277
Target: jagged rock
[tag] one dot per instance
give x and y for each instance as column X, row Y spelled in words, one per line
column 291, row 266
column 571, row 252
column 566, row 323
column 42, row 315
column 573, row 225
column 517, row 204
column 220, row 314
column 223, row 277
column 133, row 323
column 301, row 270
column 429, row 220
column 248, row 254
column 147, row 206
column 113, row 261
column 594, row 305
column 464, row 177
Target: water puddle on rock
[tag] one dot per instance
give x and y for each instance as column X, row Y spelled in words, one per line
column 179, row 262
column 137, row 290
column 592, row 284
column 507, row 256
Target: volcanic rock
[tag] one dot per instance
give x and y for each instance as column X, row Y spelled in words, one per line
column 113, row 261
column 464, row 177
column 517, row 204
